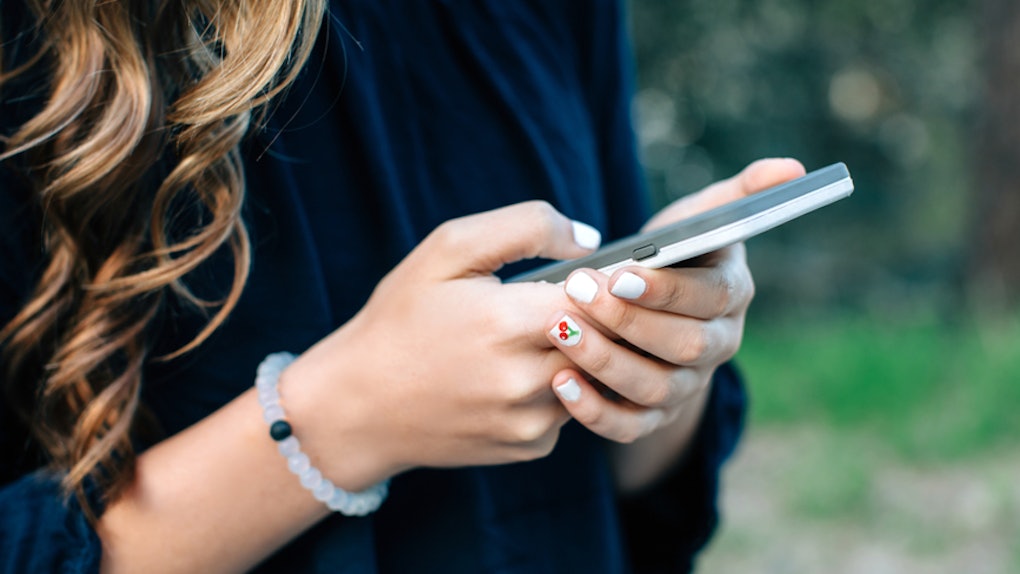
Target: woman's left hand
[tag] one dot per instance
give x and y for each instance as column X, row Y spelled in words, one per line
column 653, row 337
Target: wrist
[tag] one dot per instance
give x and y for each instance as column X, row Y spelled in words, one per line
column 298, row 462
column 336, row 426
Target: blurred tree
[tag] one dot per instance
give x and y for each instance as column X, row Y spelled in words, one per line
column 886, row 86
column 995, row 259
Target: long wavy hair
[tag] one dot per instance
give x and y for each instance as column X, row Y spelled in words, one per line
column 135, row 166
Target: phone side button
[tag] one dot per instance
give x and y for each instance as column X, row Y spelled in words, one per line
column 644, row 252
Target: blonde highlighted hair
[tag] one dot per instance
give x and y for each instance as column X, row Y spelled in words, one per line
column 132, row 83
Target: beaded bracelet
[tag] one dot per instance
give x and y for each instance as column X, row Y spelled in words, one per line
column 337, row 499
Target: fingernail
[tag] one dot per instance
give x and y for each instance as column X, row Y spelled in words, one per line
column 567, row 331
column 570, row 390
column 586, row 236
column 581, row 287
column 629, row 286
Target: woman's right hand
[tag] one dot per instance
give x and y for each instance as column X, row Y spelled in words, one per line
column 445, row 365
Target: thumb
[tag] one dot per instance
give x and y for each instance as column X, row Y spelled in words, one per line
column 757, row 176
column 480, row 244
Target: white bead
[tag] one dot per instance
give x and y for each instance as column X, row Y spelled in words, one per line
column 265, row 381
column 275, row 363
column 283, row 360
column 289, row 446
column 360, row 506
column 323, row 491
column 268, row 397
column 274, row 359
column 268, row 369
column 311, row 478
column 298, row 463
column 339, row 500
column 273, row 413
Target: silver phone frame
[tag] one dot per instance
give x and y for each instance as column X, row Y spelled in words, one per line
column 714, row 229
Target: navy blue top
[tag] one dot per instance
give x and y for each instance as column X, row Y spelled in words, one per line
column 407, row 114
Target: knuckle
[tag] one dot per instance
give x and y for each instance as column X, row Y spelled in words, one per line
column 542, row 215
column 447, row 235
column 540, row 222
column 532, row 426
column 674, row 293
column 692, row 347
column 752, row 289
column 592, row 418
column 657, row 394
column 748, row 291
column 731, row 345
column 529, row 431
column 541, row 208
column 726, row 288
column 740, row 289
column 519, row 391
column 541, row 447
column 600, row 361
column 621, row 316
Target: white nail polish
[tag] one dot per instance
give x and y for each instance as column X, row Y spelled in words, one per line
column 567, row 331
column 570, row 390
column 586, row 236
column 581, row 287
column 629, row 286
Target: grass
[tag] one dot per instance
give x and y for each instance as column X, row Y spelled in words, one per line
column 932, row 391
column 805, row 498
column 875, row 444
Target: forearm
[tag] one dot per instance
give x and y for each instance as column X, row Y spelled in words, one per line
column 386, row 392
column 216, row 497
column 641, row 463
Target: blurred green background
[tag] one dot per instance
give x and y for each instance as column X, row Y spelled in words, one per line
column 882, row 351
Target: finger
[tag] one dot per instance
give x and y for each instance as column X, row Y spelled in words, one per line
column 675, row 338
column 517, row 312
column 531, row 425
column 622, row 422
column 482, row 243
column 756, row 177
column 524, row 309
column 636, row 377
column 719, row 286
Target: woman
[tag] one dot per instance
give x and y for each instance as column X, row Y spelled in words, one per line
column 172, row 245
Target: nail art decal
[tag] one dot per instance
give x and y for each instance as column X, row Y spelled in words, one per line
column 568, row 331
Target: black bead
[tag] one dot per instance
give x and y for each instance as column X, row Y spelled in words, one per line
column 280, row 430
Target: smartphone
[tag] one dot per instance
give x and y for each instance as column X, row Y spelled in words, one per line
column 714, row 229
